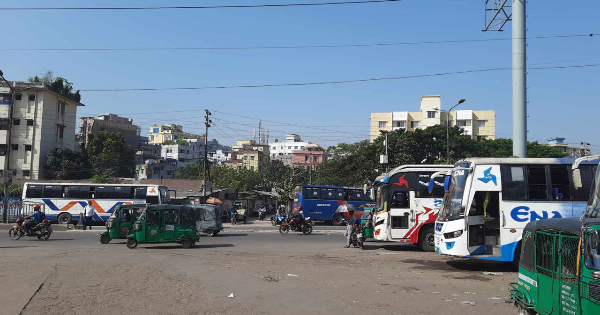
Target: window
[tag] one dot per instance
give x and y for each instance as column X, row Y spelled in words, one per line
column 463, row 123
column 400, row 199
column 72, row 192
column 154, row 130
column 122, row 192
column 289, row 148
column 169, row 173
column 4, row 124
column 60, row 131
column 400, row 222
column 296, row 148
column 536, row 179
column 34, row 191
column 513, row 182
column 430, row 114
column 312, row 192
column 328, row 194
column 559, row 177
column 14, row 146
column 18, row 97
column 356, row 195
column 401, row 124
column 16, row 121
column 52, row 192
column 26, row 173
column 139, row 193
column 62, row 108
column 171, row 216
column 481, row 137
column 29, row 122
column 382, row 124
column 414, row 124
column 252, row 168
column 481, row 123
column 587, row 179
column 32, row 97
column 104, row 192
column 175, row 137
column 340, row 194
column 152, row 217
column 2, row 149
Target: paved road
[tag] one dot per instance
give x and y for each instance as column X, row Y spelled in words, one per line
column 268, row 273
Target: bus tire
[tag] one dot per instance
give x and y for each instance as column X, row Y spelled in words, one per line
column 337, row 220
column 427, row 238
column 64, row 218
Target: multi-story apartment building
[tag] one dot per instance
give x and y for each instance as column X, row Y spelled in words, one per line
column 42, row 120
column 308, row 159
column 109, row 122
column 159, row 134
column 284, row 148
column 247, row 154
column 156, row 169
column 559, row 143
column 480, row 124
column 192, row 153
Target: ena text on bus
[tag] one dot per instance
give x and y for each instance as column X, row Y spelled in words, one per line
column 490, row 200
column 406, row 210
column 65, row 201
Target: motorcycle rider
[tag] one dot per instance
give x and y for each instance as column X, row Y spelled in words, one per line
column 37, row 218
column 349, row 227
column 300, row 217
column 261, row 213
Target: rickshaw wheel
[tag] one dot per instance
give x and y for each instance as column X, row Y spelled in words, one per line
column 523, row 311
column 131, row 243
column 104, row 239
column 187, row 243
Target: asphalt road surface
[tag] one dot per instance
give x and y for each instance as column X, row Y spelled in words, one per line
column 268, row 273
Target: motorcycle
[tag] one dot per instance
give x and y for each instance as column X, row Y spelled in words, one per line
column 261, row 214
column 295, row 225
column 42, row 231
column 277, row 219
column 357, row 236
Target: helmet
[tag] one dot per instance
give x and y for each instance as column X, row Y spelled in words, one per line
column 36, row 208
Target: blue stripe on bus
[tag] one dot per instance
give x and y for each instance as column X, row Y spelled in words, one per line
column 507, row 253
column 50, row 204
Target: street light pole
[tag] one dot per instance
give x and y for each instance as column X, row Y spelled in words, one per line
column 8, row 149
column 462, row 100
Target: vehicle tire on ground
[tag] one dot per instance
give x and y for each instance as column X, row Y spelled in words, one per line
column 211, row 233
column 44, row 235
column 187, row 243
column 273, row 221
column 284, row 229
column 427, row 239
column 14, row 234
column 307, row 230
column 64, row 218
column 104, row 239
column 337, row 220
column 361, row 244
column 131, row 243
column 517, row 256
column 523, row 311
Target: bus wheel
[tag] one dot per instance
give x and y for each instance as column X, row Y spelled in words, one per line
column 337, row 220
column 427, row 239
column 64, row 218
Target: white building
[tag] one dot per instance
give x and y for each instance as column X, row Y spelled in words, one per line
column 282, row 150
column 42, row 120
column 220, row 156
column 192, row 153
column 156, row 169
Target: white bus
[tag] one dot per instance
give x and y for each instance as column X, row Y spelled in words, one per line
column 490, row 200
column 65, row 201
column 406, row 210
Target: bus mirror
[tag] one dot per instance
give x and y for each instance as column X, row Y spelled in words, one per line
column 577, row 179
column 365, row 189
column 372, row 194
column 431, row 180
column 447, row 182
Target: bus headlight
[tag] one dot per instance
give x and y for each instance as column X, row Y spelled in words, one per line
column 454, row 234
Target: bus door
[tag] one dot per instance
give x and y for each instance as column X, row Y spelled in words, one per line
column 400, row 213
column 483, row 211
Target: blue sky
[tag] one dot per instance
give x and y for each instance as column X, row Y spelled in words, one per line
column 561, row 102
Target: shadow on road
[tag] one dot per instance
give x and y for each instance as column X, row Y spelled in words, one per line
column 482, row 265
column 16, row 246
column 58, row 239
column 225, row 235
column 197, row 246
column 213, row 245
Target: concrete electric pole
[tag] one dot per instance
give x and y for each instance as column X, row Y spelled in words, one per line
column 207, row 123
column 7, row 174
column 496, row 21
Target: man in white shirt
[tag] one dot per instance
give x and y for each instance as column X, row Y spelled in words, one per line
column 89, row 214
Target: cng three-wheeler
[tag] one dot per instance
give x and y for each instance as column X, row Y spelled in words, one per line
column 120, row 223
column 165, row 224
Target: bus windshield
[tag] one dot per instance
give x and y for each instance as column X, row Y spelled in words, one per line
column 452, row 205
column 593, row 209
column 380, row 199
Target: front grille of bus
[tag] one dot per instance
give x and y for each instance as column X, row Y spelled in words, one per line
column 594, row 289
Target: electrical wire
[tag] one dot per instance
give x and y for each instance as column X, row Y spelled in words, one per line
column 237, row 6
column 295, row 46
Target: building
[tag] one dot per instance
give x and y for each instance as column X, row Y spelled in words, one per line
column 479, row 124
column 192, row 153
column 247, row 154
column 160, row 134
column 156, row 169
column 308, row 159
column 220, row 156
column 42, row 120
column 559, row 143
column 284, row 148
column 109, row 122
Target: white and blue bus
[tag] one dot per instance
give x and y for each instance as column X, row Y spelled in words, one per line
column 65, row 201
column 490, row 200
column 321, row 202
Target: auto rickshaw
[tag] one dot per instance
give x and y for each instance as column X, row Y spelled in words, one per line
column 165, row 224
column 366, row 222
column 559, row 269
column 208, row 219
column 120, row 223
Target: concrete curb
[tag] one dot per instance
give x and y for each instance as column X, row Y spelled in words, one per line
column 55, row 227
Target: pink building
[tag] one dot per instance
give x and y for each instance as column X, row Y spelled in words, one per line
column 307, row 159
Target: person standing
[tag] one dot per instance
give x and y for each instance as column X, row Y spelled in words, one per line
column 349, row 226
column 233, row 216
column 89, row 214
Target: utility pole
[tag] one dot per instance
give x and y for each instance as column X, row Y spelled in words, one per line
column 499, row 17
column 462, row 100
column 207, row 123
column 7, row 173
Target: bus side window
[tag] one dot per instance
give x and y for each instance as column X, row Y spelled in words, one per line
column 52, row 192
column 34, row 191
column 400, row 199
column 513, row 182
column 536, row 181
column 140, row 193
column 104, row 192
column 340, row 194
column 559, row 177
column 587, row 179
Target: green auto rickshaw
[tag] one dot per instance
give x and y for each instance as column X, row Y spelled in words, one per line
column 120, row 223
column 559, row 269
column 165, row 224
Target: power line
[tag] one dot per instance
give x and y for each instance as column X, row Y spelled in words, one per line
column 249, row 6
column 333, row 82
column 294, row 46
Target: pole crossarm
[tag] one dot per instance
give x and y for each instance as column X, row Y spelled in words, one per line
column 499, row 16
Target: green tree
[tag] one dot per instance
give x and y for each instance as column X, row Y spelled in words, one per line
column 190, row 171
column 59, row 85
column 350, row 165
column 284, row 179
column 109, row 154
column 67, row 164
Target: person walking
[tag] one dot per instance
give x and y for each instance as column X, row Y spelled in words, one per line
column 233, row 216
column 349, row 225
column 89, row 214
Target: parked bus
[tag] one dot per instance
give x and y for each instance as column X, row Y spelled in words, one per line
column 65, row 201
column 322, row 202
column 490, row 200
column 406, row 210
